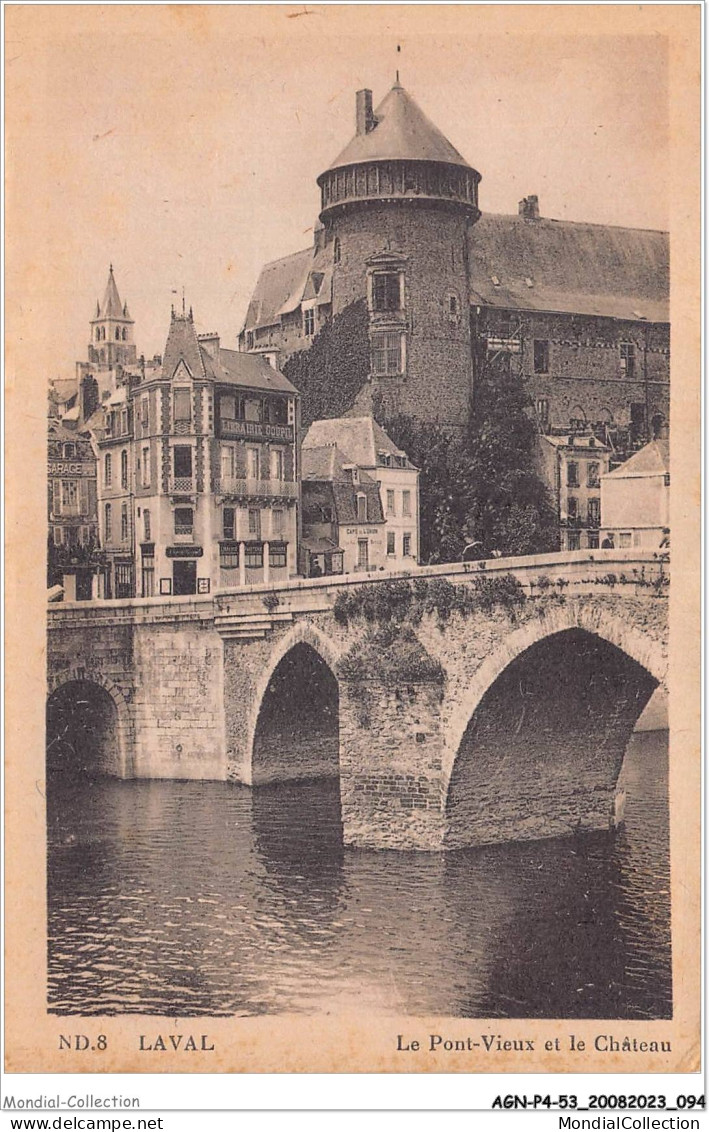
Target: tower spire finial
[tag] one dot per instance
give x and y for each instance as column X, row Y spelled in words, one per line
column 398, row 51
column 183, row 300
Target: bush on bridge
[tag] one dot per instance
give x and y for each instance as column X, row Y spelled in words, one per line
column 398, row 601
column 390, row 655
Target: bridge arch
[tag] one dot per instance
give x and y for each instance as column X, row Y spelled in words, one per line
column 536, row 743
column 88, row 725
column 294, row 724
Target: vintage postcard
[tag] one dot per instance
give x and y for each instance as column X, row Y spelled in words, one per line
column 353, row 510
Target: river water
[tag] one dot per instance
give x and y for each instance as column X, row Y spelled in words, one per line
column 190, row 898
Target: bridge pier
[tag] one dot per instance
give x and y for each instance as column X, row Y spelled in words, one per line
column 391, row 783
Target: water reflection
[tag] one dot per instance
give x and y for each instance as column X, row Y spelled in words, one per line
column 187, row 898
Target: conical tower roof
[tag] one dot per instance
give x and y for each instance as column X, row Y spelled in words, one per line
column 401, row 132
column 111, row 307
column 182, row 346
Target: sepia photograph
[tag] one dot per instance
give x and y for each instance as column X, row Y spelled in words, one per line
column 367, row 691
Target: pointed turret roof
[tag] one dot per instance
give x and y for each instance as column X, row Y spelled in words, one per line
column 183, row 346
column 401, row 132
column 111, row 307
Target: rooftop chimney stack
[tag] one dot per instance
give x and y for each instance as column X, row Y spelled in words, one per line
column 365, row 113
column 529, row 207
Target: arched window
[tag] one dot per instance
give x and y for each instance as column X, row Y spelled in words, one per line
column 107, row 532
column 123, row 334
column 118, row 333
column 124, row 522
column 108, row 470
column 98, row 333
column 124, row 470
column 336, row 250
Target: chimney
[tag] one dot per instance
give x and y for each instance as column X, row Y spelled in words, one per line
column 364, row 112
column 529, row 207
column 210, row 343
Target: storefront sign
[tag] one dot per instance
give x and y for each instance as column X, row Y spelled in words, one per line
column 256, row 430
column 65, row 468
column 203, row 585
column 361, row 531
column 184, row 552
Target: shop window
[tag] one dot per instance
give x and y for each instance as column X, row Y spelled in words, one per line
column 229, row 556
column 277, row 556
column 309, row 322
column 541, row 355
column 627, row 359
column 391, row 542
column 228, row 524
column 254, row 555
column 406, row 504
column 386, row 353
column 406, row 544
column 184, row 520
column 625, row 540
column 386, row 291
column 593, row 540
column 391, row 504
column 108, row 469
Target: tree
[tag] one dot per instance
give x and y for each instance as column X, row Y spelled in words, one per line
column 481, row 486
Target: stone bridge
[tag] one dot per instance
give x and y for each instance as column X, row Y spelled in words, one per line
column 458, row 705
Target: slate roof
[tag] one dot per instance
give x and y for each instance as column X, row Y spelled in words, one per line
column 360, row 439
column 326, row 465
column 652, row 460
column 573, row 268
column 402, row 133
column 576, row 268
column 250, row 371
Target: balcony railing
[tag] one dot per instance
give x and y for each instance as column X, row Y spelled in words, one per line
column 258, row 489
column 182, row 483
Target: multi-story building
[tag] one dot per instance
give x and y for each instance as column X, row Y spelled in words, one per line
column 71, row 511
column 114, row 444
column 635, row 500
column 344, row 530
column 203, row 458
column 364, row 443
column 581, row 310
column 572, row 466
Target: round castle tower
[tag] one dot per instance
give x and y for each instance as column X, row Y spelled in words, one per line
column 396, row 208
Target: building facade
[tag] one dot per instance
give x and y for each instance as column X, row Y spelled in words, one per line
column 72, row 513
column 206, row 456
column 344, row 530
column 572, row 466
column 581, row 311
column 364, row 443
column 635, row 500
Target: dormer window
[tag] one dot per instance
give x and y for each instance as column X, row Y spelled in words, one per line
column 387, row 291
column 361, row 507
column 69, row 451
column 309, row 322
